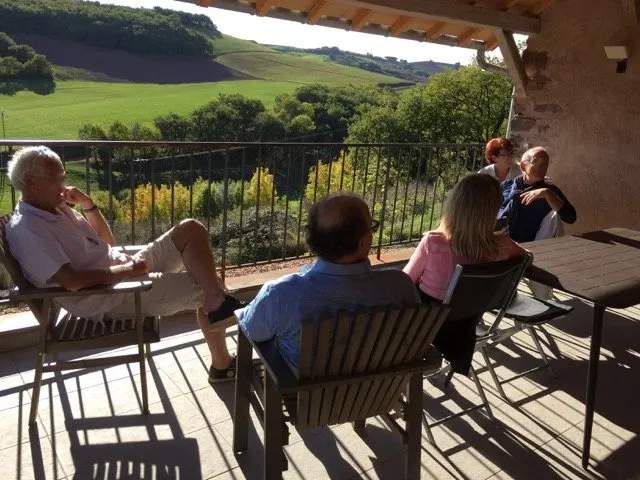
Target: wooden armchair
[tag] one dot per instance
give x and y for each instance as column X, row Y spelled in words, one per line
column 62, row 332
column 352, row 366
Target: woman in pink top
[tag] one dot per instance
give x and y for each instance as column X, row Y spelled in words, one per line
column 466, row 235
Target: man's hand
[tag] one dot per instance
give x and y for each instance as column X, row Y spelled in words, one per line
column 139, row 267
column 552, row 199
column 77, row 197
column 528, row 198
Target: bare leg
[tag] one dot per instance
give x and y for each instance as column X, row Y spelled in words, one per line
column 192, row 241
column 216, row 342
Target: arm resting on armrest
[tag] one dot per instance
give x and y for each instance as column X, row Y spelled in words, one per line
column 32, row 293
column 275, row 365
column 73, row 279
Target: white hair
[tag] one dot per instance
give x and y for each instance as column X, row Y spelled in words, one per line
column 29, row 159
column 528, row 156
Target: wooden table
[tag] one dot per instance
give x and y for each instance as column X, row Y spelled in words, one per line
column 602, row 267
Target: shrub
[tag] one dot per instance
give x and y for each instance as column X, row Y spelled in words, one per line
column 261, row 189
column 143, row 203
column 332, row 177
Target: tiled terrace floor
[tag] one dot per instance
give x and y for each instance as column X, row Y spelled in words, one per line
column 89, row 424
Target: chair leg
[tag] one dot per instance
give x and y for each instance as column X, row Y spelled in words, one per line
column 273, row 452
column 427, row 427
column 447, row 380
column 414, row 426
column 492, row 371
column 244, row 372
column 485, row 402
column 37, row 382
column 37, row 379
column 536, row 341
column 141, row 355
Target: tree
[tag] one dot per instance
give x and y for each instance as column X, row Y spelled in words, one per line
column 300, row 126
column 173, row 127
column 270, row 127
column 6, row 44
column 92, row 131
column 458, row 106
column 227, row 118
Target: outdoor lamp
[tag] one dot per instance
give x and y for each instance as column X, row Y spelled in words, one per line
column 620, row 54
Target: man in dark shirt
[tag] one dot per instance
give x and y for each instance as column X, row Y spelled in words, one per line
column 528, row 198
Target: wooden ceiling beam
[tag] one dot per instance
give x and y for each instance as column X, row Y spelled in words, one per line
column 465, row 37
column 360, row 19
column 400, row 25
column 512, row 60
column 434, row 32
column 448, row 11
column 315, row 12
column 263, row 7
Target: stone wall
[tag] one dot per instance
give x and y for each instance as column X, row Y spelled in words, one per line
column 583, row 112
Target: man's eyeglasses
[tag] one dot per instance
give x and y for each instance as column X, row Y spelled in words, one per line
column 375, row 224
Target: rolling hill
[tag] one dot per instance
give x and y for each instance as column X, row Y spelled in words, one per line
column 101, row 85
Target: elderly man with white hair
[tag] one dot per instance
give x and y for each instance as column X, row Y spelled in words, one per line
column 529, row 198
column 56, row 245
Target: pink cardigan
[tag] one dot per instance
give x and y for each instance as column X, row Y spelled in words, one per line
column 432, row 263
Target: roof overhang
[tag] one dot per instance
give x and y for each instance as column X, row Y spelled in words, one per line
column 460, row 23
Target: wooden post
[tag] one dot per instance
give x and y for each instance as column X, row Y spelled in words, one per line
column 512, row 60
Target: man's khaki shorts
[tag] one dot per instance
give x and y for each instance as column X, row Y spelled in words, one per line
column 174, row 290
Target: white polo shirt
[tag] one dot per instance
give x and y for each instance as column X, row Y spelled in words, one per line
column 42, row 242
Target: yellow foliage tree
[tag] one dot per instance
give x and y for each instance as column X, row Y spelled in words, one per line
column 332, row 177
column 263, row 195
column 143, row 203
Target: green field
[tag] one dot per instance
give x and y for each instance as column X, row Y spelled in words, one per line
column 58, row 116
column 83, row 96
column 279, row 66
column 226, row 44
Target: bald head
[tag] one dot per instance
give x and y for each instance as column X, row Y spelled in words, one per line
column 534, row 165
column 338, row 225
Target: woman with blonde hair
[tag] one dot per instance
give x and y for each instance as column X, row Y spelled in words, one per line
column 466, row 235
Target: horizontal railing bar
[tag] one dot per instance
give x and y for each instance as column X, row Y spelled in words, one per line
column 222, row 145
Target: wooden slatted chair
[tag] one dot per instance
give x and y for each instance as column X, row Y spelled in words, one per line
column 62, row 332
column 352, row 366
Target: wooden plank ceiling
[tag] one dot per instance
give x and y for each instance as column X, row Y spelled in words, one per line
column 462, row 23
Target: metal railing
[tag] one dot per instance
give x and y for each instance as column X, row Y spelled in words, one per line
column 253, row 197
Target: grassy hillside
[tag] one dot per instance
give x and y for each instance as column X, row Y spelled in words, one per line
column 227, row 44
column 91, row 89
column 278, row 66
column 58, row 116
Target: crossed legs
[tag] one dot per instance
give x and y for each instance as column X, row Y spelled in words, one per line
column 192, row 241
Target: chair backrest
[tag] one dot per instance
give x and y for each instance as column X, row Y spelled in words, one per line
column 476, row 289
column 13, row 269
column 368, row 341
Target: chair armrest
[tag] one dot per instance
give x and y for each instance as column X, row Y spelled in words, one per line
column 128, row 249
column 33, row 293
column 275, row 365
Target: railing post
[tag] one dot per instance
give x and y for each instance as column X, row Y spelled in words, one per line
column 225, row 208
column 384, row 203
